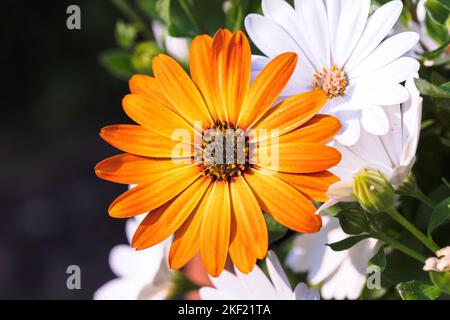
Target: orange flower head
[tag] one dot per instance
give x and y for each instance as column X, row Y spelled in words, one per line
column 211, row 152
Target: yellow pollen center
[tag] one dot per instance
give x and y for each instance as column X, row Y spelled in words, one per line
column 224, row 152
column 333, row 82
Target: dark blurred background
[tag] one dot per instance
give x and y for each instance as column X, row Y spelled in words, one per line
column 55, row 98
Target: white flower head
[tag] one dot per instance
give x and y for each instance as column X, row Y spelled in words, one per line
column 342, row 273
column 342, row 51
column 140, row 275
column 392, row 154
column 256, row 285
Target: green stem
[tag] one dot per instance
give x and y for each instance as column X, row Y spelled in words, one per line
column 411, row 189
column 411, row 228
column 192, row 18
column 401, row 247
column 132, row 15
column 419, row 195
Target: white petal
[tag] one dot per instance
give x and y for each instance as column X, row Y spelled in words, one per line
column 268, row 36
column 257, row 285
column 313, row 24
column 350, row 132
column 371, row 149
column 307, row 251
column 374, row 120
column 352, row 21
column 381, row 94
column 207, row 293
column 229, row 284
column 333, row 14
column 300, row 82
column 120, row 289
column 397, row 71
column 177, row 48
column 389, row 50
column 350, row 161
column 326, row 205
column 341, row 191
column 350, row 278
column 330, row 259
column 280, row 12
column 392, row 141
column 301, row 292
column 412, row 117
column 378, row 26
column 278, row 276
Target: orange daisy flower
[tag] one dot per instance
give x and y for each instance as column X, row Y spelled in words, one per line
column 216, row 208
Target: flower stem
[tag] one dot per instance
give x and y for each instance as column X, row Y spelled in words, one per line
column 411, row 228
column 401, row 247
column 419, row 195
column 411, row 189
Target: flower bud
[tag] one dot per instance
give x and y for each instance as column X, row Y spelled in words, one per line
column 373, row 191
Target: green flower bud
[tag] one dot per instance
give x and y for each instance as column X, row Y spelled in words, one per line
column 373, row 191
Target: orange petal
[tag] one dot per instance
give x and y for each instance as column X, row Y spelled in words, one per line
column 186, row 242
column 141, row 141
column 297, row 157
column 320, row 129
column 283, row 202
column 237, row 80
column 313, row 185
column 219, row 72
column 250, row 236
column 180, row 90
column 266, row 88
column 215, row 230
column 156, row 117
column 200, row 67
column 130, row 169
column 159, row 224
column 161, row 187
column 293, row 112
column 148, row 86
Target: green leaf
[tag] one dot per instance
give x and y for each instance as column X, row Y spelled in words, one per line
column 348, row 242
column 353, row 221
column 416, row 290
column 379, row 259
column 436, row 31
column 439, row 11
column 276, row 230
column 428, row 89
column 118, row 63
column 440, row 214
column 441, row 280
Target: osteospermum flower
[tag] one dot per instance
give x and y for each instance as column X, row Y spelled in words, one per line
column 215, row 207
column 341, row 51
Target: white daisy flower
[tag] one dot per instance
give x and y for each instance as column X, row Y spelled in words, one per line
column 342, row 274
column 142, row 275
column 342, row 51
column 393, row 154
column 256, row 285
